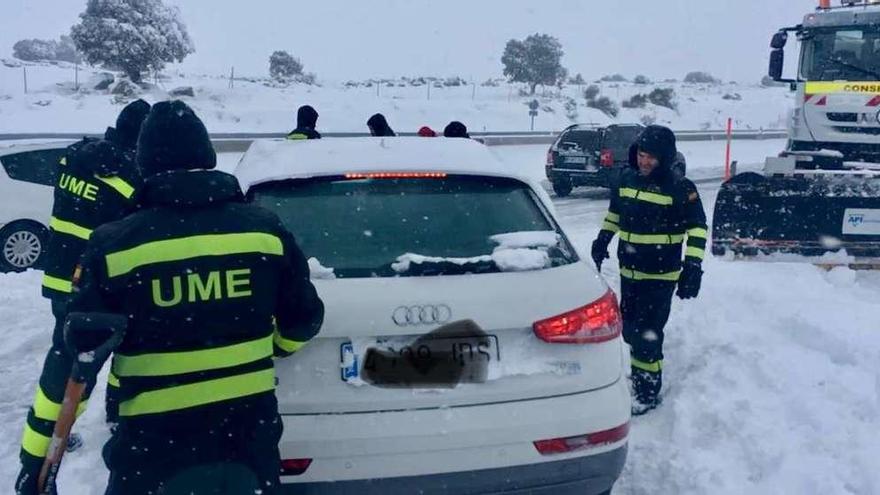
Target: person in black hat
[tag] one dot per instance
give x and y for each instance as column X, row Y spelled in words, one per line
column 456, row 129
column 306, row 121
column 97, row 183
column 379, row 127
column 653, row 210
column 212, row 288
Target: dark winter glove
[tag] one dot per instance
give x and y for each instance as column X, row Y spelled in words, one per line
column 92, row 337
column 690, row 279
column 600, row 248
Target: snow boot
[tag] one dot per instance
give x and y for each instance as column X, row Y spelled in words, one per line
column 645, row 390
column 75, row 442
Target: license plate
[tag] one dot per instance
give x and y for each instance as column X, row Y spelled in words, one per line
column 576, row 159
column 428, row 363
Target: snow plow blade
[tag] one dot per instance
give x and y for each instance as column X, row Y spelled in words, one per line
column 810, row 214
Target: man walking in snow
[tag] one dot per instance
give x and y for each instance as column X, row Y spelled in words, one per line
column 212, row 288
column 97, row 183
column 653, row 209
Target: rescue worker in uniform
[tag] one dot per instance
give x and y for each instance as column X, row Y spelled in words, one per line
column 653, row 209
column 214, row 287
column 96, row 184
column 306, row 121
column 379, row 127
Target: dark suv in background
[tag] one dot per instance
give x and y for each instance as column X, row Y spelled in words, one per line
column 589, row 155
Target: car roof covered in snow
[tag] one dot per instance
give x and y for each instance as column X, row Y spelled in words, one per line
column 272, row 160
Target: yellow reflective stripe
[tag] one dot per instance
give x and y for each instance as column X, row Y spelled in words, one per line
column 654, row 367
column 651, row 238
column 297, row 137
column 612, row 217
column 698, row 232
column 70, row 228
column 185, row 248
column 695, row 252
column 636, row 275
column 176, row 363
column 35, row 443
column 63, row 160
column 112, row 380
column 199, row 394
column 58, row 284
column 613, row 227
column 287, row 345
column 659, row 199
column 122, row 187
column 45, row 409
column 866, row 87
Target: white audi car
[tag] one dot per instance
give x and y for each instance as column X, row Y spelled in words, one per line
column 467, row 346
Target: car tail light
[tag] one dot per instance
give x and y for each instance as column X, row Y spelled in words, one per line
column 550, row 158
column 606, row 158
column 596, row 322
column 294, row 467
column 581, row 442
column 396, row 175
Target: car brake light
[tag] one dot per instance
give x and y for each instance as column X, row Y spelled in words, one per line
column 550, row 158
column 581, row 442
column 596, row 322
column 397, row 175
column 606, row 158
column 294, row 467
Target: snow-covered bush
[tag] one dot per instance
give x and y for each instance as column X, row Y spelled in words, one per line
column 133, row 36
column 663, row 97
column 605, row 105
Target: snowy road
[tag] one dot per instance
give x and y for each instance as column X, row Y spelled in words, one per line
column 773, row 374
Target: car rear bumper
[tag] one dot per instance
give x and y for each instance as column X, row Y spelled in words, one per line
column 590, row 475
column 481, row 447
column 596, row 178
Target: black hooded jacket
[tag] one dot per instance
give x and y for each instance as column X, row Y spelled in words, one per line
column 379, row 126
column 306, row 121
column 96, row 184
column 199, row 271
column 654, row 214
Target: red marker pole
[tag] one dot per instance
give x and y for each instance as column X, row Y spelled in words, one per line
column 727, row 155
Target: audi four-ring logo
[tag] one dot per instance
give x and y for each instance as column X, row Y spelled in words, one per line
column 430, row 314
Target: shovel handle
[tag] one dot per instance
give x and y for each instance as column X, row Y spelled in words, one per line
column 73, row 394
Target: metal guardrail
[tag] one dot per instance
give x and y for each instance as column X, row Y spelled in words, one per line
column 238, row 142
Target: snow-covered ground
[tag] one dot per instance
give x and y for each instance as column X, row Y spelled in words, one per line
column 772, row 381
column 53, row 105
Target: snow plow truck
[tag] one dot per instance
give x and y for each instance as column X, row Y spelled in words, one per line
column 821, row 196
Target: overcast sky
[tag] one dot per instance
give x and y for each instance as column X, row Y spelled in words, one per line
column 342, row 39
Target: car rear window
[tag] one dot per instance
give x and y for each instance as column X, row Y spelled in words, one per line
column 581, row 140
column 36, row 167
column 621, row 137
column 370, row 227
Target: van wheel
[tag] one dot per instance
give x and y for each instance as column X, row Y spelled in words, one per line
column 22, row 246
column 562, row 187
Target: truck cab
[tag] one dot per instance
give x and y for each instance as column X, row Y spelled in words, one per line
column 837, row 113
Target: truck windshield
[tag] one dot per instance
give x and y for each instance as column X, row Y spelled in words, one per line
column 841, row 54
